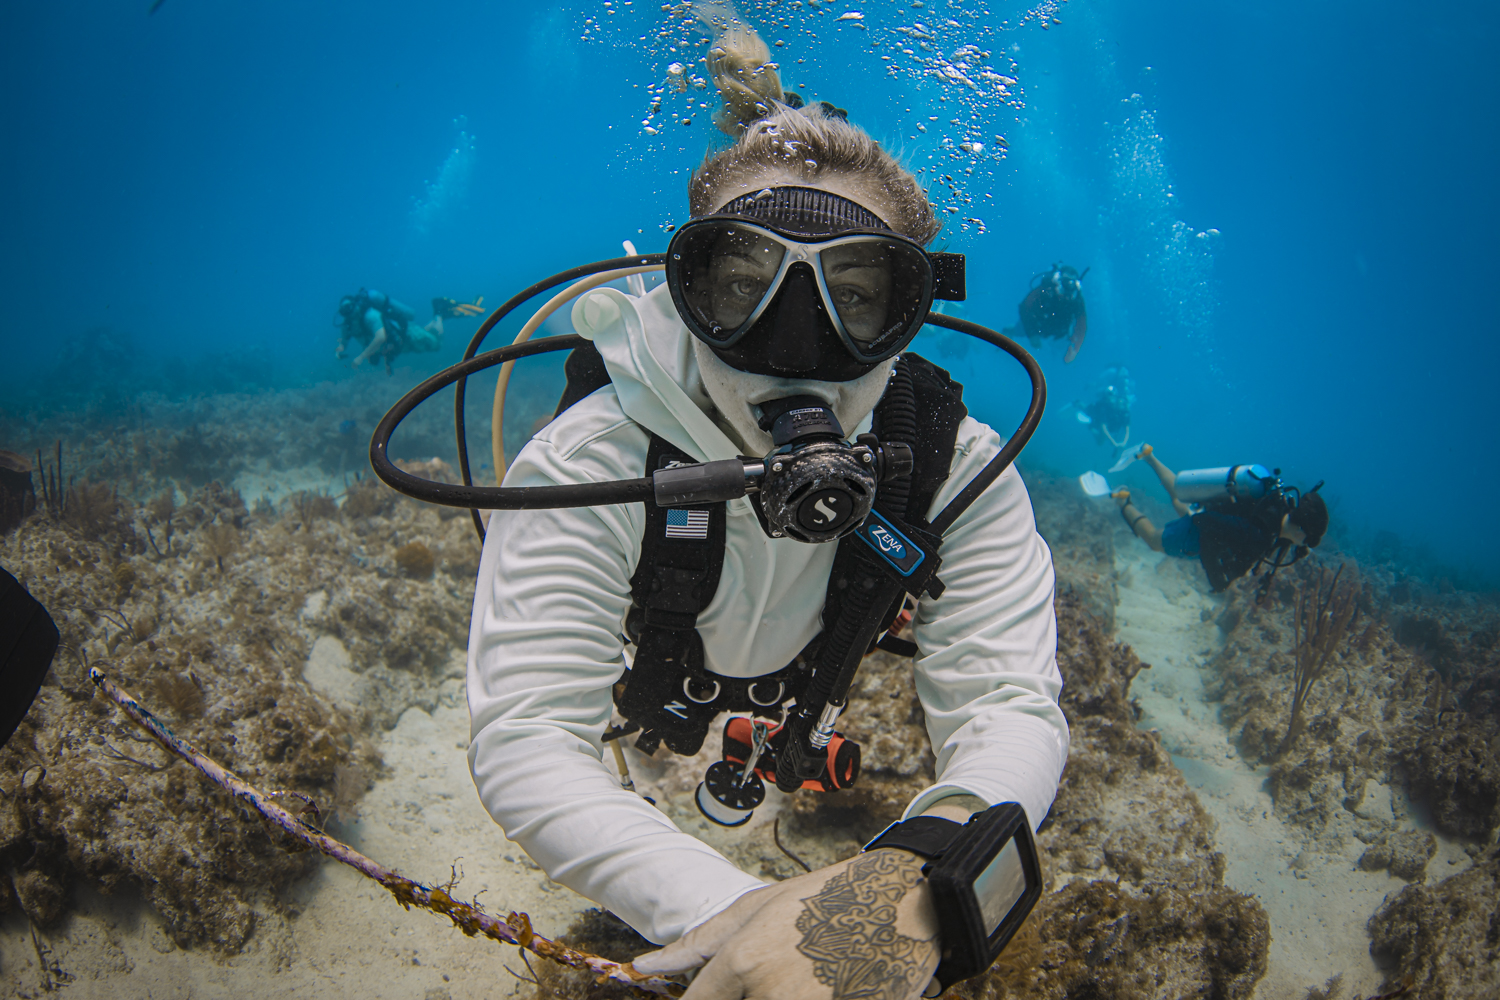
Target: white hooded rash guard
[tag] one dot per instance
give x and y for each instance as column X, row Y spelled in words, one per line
column 554, row 587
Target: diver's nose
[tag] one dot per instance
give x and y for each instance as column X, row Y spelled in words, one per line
column 798, row 322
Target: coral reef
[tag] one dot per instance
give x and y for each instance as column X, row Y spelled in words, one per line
column 154, row 440
column 212, row 611
column 1409, row 700
column 1444, row 939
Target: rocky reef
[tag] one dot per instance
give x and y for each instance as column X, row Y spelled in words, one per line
column 1444, row 939
column 1401, row 734
column 208, row 612
column 1138, row 906
column 1411, row 702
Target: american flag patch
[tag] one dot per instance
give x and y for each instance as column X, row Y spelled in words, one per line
column 687, row 524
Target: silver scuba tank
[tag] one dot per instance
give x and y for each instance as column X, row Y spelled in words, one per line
column 1235, row 482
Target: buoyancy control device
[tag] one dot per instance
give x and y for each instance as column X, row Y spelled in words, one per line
column 814, row 486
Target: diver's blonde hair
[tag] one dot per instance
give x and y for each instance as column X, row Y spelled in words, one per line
column 811, row 142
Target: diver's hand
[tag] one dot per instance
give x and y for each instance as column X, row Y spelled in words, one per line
column 864, row 927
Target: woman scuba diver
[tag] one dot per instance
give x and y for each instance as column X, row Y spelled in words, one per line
column 791, row 294
column 1244, row 517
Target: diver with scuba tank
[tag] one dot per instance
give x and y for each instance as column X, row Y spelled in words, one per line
column 747, row 483
column 1054, row 309
column 386, row 328
column 1232, row 519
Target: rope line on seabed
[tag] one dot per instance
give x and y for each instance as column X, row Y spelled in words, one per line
column 469, row 918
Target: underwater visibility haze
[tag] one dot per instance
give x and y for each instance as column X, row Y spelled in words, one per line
column 1283, row 220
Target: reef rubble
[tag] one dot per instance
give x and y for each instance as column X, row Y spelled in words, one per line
column 210, row 611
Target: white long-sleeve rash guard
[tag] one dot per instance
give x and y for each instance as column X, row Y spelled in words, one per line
column 550, row 603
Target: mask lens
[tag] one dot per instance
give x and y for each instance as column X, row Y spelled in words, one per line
column 878, row 288
column 725, row 272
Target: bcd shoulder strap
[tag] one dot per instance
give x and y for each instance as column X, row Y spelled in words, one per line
column 669, row 692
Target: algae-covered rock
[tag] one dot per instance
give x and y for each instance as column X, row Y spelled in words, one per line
column 1444, row 939
column 213, row 638
column 1410, row 705
column 1404, row 854
column 1138, row 906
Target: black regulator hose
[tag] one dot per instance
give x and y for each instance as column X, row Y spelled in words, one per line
column 1018, row 440
column 478, row 498
column 510, row 306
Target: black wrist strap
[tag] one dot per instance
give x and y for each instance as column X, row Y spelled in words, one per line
column 927, row 836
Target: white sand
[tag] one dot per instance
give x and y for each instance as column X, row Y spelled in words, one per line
column 1318, row 903
column 350, row 938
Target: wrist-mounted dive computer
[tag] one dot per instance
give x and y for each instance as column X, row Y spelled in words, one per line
column 985, row 878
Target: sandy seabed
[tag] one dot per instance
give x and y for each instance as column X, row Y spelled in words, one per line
column 1318, row 903
column 340, row 935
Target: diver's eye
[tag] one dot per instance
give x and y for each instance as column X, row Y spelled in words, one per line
column 847, row 296
column 746, row 288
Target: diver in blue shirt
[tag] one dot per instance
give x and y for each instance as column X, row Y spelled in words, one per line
column 385, row 327
column 1232, row 519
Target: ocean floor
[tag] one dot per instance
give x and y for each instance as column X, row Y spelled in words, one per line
column 306, row 629
column 336, row 934
column 1319, row 902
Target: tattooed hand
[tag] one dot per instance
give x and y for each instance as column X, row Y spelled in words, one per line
column 862, row 929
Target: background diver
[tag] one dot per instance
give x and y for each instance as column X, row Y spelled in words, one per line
column 384, row 325
column 1108, row 416
column 721, row 614
column 1245, row 516
column 1054, row 309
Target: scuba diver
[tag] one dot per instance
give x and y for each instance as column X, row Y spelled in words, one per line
column 384, row 326
column 1054, row 309
column 1108, row 416
column 1232, row 519
column 790, row 295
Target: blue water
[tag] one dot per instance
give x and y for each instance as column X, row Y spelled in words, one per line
column 1289, row 210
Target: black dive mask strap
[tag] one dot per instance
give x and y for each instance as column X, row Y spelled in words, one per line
column 802, row 211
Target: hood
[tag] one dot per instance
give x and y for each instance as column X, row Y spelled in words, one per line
column 651, row 361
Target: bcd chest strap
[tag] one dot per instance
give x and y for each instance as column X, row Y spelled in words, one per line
column 669, row 692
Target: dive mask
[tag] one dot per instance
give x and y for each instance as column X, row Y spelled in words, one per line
column 803, row 283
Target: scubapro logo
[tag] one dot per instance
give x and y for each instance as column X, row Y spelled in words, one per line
column 827, row 513
column 888, row 542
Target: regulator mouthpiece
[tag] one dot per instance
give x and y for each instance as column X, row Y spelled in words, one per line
column 817, row 488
